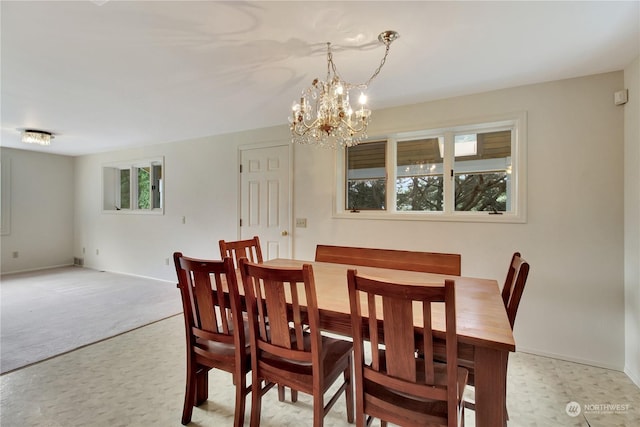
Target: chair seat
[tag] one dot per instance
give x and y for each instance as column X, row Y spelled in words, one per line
column 335, row 353
column 409, row 406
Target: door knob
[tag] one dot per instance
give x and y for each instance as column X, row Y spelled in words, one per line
column 285, row 233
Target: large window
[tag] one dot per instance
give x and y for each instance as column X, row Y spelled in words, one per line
column 133, row 186
column 472, row 172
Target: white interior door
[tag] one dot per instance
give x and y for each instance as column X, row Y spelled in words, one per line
column 265, row 209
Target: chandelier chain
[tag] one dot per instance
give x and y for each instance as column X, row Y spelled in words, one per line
column 382, row 62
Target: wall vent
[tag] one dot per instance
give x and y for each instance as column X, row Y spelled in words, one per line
column 78, row 261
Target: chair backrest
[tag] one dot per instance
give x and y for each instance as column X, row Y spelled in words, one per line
column 392, row 306
column 210, row 313
column 426, row 262
column 249, row 248
column 514, row 285
column 274, row 297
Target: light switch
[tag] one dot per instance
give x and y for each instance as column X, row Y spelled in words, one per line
column 301, row 222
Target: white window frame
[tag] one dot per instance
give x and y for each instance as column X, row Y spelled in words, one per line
column 515, row 121
column 111, row 202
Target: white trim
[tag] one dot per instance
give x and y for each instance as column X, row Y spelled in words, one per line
column 570, row 359
column 632, row 377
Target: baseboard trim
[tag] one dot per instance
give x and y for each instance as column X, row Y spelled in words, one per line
column 571, row 359
column 632, row 377
column 29, row 270
column 135, row 275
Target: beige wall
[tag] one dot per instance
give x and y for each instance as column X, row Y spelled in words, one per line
column 573, row 306
column 41, row 204
column 632, row 220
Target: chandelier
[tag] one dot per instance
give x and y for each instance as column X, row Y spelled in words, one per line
column 324, row 115
column 32, row 136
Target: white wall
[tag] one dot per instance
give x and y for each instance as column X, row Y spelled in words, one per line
column 573, row 306
column 632, row 220
column 41, row 205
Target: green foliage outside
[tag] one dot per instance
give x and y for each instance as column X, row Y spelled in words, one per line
column 473, row 192
column 144, row 189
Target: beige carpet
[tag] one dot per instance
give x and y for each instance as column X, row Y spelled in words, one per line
column 137, row 379
column 50, row 312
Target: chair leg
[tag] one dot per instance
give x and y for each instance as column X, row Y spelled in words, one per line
column 202, row 386
column 189, row 397
column 294, row 395
column 318, row 409
column 349, row 392
column 241, row 385
column 281, row 396
column 256, row 400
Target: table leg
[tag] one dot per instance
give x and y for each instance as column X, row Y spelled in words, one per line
column 491, row 387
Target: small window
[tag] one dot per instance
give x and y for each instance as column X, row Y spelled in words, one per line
column 419, row 179
column 483, row 171
column 133, row 186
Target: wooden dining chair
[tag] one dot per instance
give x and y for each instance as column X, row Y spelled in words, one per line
column 249, row 248
column 289, row 349
column 215, row 332
column 511, row 294
column 398, row 386
column 514, row 285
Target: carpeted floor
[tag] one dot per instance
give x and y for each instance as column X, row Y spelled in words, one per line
column 50, row 312
column 137, row 379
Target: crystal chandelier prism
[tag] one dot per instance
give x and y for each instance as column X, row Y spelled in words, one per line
column 324, row 116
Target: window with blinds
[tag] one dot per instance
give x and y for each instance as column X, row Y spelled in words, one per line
column 366, row 176
column 466, row 172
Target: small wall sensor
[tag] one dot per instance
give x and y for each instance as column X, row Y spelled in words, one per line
column 621, row 97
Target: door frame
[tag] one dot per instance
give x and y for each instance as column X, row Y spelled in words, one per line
column 259, row 145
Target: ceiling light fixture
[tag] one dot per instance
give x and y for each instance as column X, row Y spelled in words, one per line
column 32, row 136
column 324, row 116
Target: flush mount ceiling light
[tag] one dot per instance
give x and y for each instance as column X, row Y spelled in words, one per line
column 41, row 137
column 324, row 116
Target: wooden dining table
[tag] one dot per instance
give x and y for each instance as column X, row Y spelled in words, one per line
column 484, row 333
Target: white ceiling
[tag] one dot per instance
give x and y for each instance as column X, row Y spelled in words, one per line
column 104, row 75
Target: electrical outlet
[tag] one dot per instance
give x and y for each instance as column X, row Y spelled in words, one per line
column 15, row 254
column 97, row 251
column 166, row 261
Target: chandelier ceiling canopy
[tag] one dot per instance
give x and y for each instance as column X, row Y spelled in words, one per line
column 324, row 116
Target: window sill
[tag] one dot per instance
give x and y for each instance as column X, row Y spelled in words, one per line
column 432, row 216
column 133, row 212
